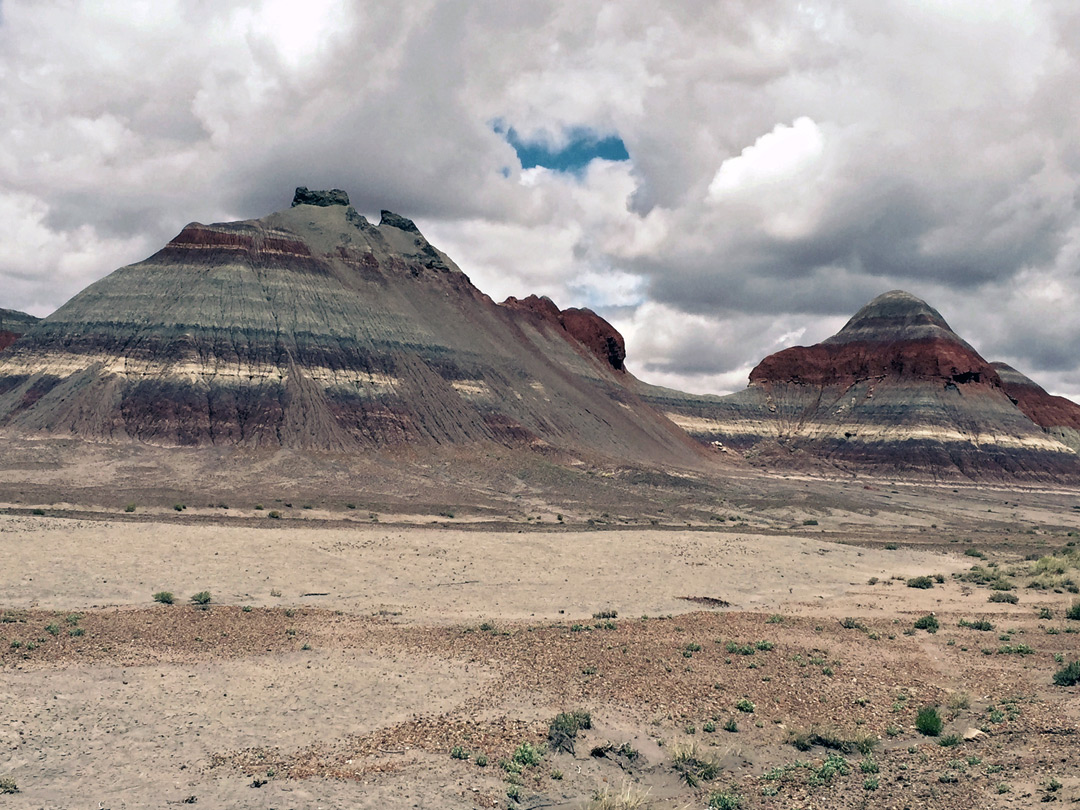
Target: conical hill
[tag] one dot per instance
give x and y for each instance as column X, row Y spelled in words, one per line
column 314, row 328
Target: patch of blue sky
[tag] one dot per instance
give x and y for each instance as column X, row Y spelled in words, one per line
column 577, row 147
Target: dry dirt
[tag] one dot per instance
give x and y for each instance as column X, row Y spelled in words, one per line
column 344, row 657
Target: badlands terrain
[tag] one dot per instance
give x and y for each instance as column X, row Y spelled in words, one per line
column 747, row 641
column 292, row 515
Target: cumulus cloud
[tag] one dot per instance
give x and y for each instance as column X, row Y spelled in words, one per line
column 787, row 162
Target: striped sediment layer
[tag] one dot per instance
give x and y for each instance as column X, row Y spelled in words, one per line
column 314, row 328
column 1058, row 416
column 894, row 389
column 12, row 326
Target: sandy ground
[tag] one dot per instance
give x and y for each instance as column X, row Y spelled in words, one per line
column 431, row 575
column 364, row 659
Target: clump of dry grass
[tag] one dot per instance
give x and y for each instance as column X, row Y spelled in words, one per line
column 626, row 798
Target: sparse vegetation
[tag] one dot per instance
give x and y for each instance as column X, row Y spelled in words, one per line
column 831, row 738
column 8, row 786
column 692, row 766
column 129, row 508
column 1068, row 675
column 980, row 624
column 1073, row 611
column 725, row 799
column 164, row 597
column 563, row 730
column 1002, row 596
column 929, row 623
column 628, row 798
column 201, row 599
column 923, row 582
column 928, row 722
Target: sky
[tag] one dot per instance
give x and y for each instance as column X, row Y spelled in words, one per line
column 720, row 180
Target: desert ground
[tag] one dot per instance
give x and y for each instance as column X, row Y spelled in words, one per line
column 747, row 641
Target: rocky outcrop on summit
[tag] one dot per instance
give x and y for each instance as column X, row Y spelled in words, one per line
column 312, row 328
column 305, row 196
column 1058, row 416
column 13, row 324
column 896, row 388
column 582, row 326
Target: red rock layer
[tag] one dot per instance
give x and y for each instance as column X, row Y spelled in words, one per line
column 844, row 364
column 1042, row 408
column 583, row 325
column 7, row 338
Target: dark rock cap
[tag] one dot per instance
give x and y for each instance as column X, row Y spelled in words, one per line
column 334, row 196
column 398, row 221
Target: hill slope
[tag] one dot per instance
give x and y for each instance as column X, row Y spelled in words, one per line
column 12, row 326
column 313, row 328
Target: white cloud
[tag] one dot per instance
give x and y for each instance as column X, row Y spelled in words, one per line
column 776, row 161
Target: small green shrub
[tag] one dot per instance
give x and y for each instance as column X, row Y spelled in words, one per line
column 274, row 514
column 527, row 754
column 1046, row 613
column 164, row 597
column 482, row 760
column 129, row 508
column 739, row 649
column 922, row 582
column 929, row 623
column 980, row 624
column 745, row 705
column 892, row 546
column 457, row 752
column 725, row 800
column 201, row 598
column 974, row 552
column 731, row 725
column 950, row 740
column 1073, row 611
column 809, row 522
column 1003, row 596
column 1068, row 675
column 76, row 631
column 179, row 507
column 8, row 786
column 563, row 730
column 53, row 629
column 928, row 722
column 708, row 727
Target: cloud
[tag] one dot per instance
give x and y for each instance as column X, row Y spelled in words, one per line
column 784, row 163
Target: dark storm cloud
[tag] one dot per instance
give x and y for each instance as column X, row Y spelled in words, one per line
column 788, row 162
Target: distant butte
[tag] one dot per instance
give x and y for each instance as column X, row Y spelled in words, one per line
column 12, row 326
column 896, row 389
